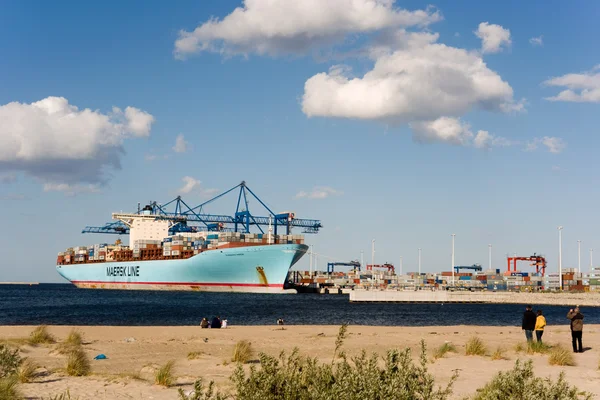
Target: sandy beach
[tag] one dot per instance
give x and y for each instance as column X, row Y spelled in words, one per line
column 134, row 353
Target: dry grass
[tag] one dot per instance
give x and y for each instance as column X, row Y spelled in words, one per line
column 242, row 352
column 164, row 375
column 9, row 390
column 78, row 363
column 194, row 355
column 26, row 371
column 63, row 396
column 40, row 335
column 499, row 354
column 519, row 347
column 561, row 356
column 73, row 342
column 475, row 347
column 443, row 349
column 537, row 347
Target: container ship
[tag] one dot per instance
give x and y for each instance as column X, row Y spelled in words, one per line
column 156, row 259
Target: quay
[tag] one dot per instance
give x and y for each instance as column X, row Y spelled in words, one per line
column 444, row 296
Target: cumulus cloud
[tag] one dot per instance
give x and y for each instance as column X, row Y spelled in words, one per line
column 283, row 26
column 71, row 190
column 155, row 157
column 553, row 144
column 581, row 88
column 423, row 80
column 180, row 144
column 319, row 192
column 189, row 184
column 537, row 41
column 493, row 37
column 454, row 131
column 58, row 143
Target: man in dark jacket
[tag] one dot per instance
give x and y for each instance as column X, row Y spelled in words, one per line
column 528, row 324
column 576, row 328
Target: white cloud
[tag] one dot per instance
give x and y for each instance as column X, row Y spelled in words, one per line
column 284, row 26
column 180, row 144
column 537, row 41
column 319, row 192
column 58, row 143
column 189, row 184
column 553, row 144
column 493, row 37
column 71, row 190
column 155, row 157
column 14, row 197
column 8, row 178
column 423, row 80
column 583, row 87
column 454, row 131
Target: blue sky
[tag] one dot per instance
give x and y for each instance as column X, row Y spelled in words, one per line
column 406, row 123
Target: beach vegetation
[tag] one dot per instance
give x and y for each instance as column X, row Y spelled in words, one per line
column 73, row 342
column 499, row 354
column 560, row 356
column 63, row 396
column 9, row 361
column 519, row 347
column 26, row 371
column 243, row 352
column 202, row 392
column 475, row 347
column 78, row 363
column 537, row 347
column 520, row 383
column 194, row 355
column 40, row 335
column 443, row 349
column 9, row 389
column 164, row 375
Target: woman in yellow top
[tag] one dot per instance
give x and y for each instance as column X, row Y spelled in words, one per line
column 540, row 324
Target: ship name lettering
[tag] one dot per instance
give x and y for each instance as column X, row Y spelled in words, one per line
column 123, row 271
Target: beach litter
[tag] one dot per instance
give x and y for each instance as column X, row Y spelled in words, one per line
column 100, row 357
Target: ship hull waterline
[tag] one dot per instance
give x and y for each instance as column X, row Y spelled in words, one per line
column 252, row 269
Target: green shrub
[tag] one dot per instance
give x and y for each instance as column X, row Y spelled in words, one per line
column 443, row 349
column 26, row 371
column 537, row 347
column 561, row 356
column 200, row 392
column 242, row 352
column 9, row 361
column 475, row 347
column 8, row 389
column 40, row 335
column 164, row 375
column 520, row 383
column 78, row 363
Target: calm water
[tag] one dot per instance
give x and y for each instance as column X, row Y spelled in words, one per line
column 58, row 304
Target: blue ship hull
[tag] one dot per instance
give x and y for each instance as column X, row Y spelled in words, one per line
column 256, row 269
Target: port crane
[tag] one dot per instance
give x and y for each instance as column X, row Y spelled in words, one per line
column 538, row 262
column 387, row 266
column 474, row 267
column 354, row 264
column 183, row 218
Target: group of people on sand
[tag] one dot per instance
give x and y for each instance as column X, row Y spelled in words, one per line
column 537, row 322
column 216, row 322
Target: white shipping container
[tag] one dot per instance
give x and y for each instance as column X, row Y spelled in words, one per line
column 166, row 253
column 175, row 253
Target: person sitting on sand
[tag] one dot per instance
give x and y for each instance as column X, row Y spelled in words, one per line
column 204, row 323
column 216, row 322
column 540, row 324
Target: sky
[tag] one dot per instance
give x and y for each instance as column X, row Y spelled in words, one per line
column 399, row 121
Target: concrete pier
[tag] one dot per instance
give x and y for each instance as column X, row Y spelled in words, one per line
column 443, row 296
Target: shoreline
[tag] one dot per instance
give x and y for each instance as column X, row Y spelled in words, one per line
column 134, row 352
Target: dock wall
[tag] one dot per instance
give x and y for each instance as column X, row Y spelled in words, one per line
column 425, row 296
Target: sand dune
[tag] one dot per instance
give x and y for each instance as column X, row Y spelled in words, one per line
column 134, row 352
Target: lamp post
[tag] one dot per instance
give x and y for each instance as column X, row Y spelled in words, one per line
column 560, row 280
column 452, row 266
column 490, row 256
column 400, row 265
column 591, row 259
column 579, row 256
column 419, row 262
column 372, row 253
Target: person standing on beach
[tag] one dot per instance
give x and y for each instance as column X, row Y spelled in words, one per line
column 576, row 328
column 540, row 324
column 528, row 324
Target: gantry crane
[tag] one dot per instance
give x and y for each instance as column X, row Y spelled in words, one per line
column 354, row 264
column 538, row 261
column 474, row 267
column 183, row 218
column 389, row 267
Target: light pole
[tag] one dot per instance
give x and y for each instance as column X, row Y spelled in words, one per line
column 579, row 256
column 452, row 266
column 560, row 281
column 400, row 265
column 591, row 259
column 419, row 262
column 372, row 253
column 490, row 256
column 362, row 261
